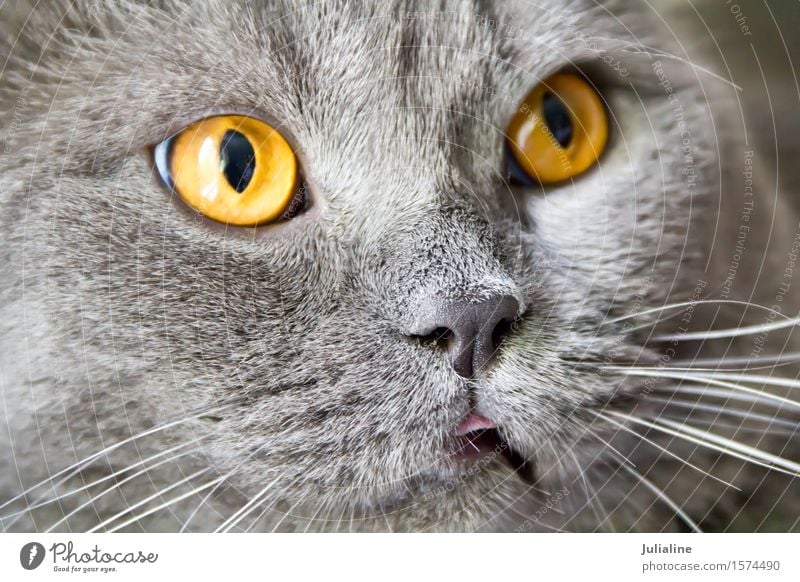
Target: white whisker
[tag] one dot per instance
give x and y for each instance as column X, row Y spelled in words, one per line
column 755, row 379
column 698, row 378
column 745, row 414
column 147, row 500
column 203, row 501
column 776, row 359
column 314, row 516
column 606, row 443
column 281, row 520
column 234, row 519
column 166, row 504
column 77, row 467
column 721, row 375
column 666, row 451
column 736, row 428
column 210, row 493
column 759, row 398
column 592, row 500
column 665, row 498
column 329, row 505
column 114, row 487
column 727, row 333
column 688, row 304
column 99, row 481
column 717, row 443
column 656, row 53
column 741, row 447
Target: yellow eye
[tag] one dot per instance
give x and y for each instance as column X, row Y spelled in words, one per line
column 559, row 131
column 233, row 169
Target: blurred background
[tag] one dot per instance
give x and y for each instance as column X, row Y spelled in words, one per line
column 757, row 43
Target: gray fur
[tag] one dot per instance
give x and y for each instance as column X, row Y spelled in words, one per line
column 121, row 310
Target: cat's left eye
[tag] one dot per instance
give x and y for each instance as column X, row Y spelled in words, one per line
column 559, row 131
column 233, row 169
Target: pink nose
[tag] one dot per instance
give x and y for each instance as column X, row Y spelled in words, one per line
column 472, row 423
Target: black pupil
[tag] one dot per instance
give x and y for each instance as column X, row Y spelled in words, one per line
column 557, row 119
column 238, row 160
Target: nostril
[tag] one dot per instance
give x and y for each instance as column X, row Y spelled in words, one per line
column 501, row 331
column 442, row 334
column 440, row 337
column 443, row 337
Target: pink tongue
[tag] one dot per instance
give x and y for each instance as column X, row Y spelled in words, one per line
column 472, row 423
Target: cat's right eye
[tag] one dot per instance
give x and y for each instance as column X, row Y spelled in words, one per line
column 233, row 169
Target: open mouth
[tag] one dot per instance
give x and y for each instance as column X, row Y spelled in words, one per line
column 479, row 444
column 477, row 439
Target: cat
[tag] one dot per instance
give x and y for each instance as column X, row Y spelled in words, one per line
column 162, row 371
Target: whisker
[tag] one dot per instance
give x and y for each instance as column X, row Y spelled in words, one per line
column 704, row 380
column 664, row 497
column 606, row 443
column 329, row 505
column 204, row 500
column 208, row 496
column 535, row 520
column 727, row 333
column 718, row 443
column 114, row 487
column 738, row 428
column 724, row 364
column 166, row 504
column 269, row 505
column 340, row 519
column 608, row 520
column 210, row 493
column 77, row 467
column 314, row 516
column 591, row 495
column 755, row 379
column 98, row 481
column 722, row 375
column 386, row 520
column 741, row 447
column 234, row 519
column 656, row 53
column 281, row 520
column 776, row 360
column 688, row 304
column 352, row 517
column 758, row 398
column 745, row 414
column 148, row 499
column 665, row 450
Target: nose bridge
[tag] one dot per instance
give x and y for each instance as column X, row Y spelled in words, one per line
column 450, row 254
column 452, row 251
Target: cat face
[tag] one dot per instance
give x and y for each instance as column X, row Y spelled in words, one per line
column 323, row 345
